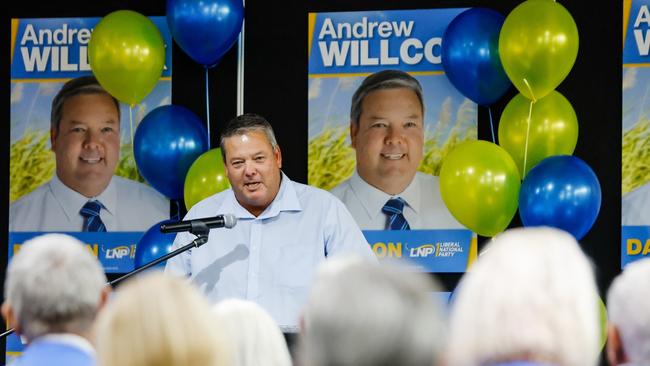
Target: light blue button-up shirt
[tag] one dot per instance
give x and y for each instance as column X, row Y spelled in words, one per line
column 127, row 206
column 636, row 207
column 269, row 259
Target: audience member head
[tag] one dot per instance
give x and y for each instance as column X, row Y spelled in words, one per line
column 364, row 314
column 628, row 305
column 53, row 285
column 253, row 336
column 159, row 320
column 531, row 296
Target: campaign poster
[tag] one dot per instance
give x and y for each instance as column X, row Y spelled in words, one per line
column 635, row 232
column 344, row 49
column 46, row 53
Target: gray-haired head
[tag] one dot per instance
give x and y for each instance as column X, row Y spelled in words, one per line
column 531, row 296
column 364, row 314
column 248, row 122
column 54, row 285
column 628, row 307
column 79, row 86
column 387, row 79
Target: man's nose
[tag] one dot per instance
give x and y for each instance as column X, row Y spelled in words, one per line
column 92, row 139
column 249, row 169
column 394, row 135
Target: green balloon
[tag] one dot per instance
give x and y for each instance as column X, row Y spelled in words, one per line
column 553, row 129
column 479, row 184
column 127, row 55
column 602, row 317
column 207, row 176
column 538, row 46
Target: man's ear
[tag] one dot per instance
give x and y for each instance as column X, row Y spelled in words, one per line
column 104, row 296
column 277, row 153
column 354, row 129
column 9, row 316
column 54, row 133
column 615, row 352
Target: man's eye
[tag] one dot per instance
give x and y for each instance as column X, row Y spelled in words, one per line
column 77, row 129
column 107, row 129
column 379, row 125
column 237, row 163
column 410, row 124
column 259, row 158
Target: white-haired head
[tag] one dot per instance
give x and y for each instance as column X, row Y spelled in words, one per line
column 628, row 306
column 531, row 296
column 366, row 314
column 254, row 337
column 53, row 285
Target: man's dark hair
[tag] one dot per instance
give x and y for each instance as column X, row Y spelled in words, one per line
column 387, row 79
column 74, row 87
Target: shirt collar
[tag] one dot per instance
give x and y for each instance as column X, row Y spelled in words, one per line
column 72, row 201
column 285, row 200
column 70, row 339
column 373, row 199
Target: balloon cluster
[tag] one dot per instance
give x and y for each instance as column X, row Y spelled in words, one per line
column 534, row 47
column 127, row 56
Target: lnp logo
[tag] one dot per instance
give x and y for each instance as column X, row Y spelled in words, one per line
column 118, row 252
column 440, row 249
column 422, row 251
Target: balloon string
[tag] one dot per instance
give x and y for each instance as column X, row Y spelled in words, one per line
column 207, row 104
column 177, row 213
column 494, row 141
column 132, row 129
column 530, row 90
column 530, row 112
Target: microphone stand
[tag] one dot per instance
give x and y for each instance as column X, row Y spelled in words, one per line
column 200, row 229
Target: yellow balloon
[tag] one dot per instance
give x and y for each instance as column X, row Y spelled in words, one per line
column 553, row 129
column 538, row 46
column 207, row 176
column 479, row 184
column 127, row 55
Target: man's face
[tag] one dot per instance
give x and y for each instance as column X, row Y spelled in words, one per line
column 253, row 169
column 389, row 138
column 87, row 143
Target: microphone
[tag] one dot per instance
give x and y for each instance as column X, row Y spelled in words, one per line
column 228, row 221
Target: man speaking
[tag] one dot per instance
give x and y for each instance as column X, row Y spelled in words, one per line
column 284, row 229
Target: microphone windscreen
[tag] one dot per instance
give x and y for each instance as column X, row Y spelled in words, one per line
column 229, row 221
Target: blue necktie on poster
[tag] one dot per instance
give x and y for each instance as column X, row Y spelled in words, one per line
column 92, row 222
column 396, row 220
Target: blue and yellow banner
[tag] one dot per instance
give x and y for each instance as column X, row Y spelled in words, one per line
column 435, row 251
column 635, row 243
column 367, row 42
column 57, row 48
column 635, row 218
column 115, row 250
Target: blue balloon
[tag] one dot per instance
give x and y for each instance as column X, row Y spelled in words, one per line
column 470, row 55
column 205, row 29
column 562, row 192
column 165, row 145
column 153, row 245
